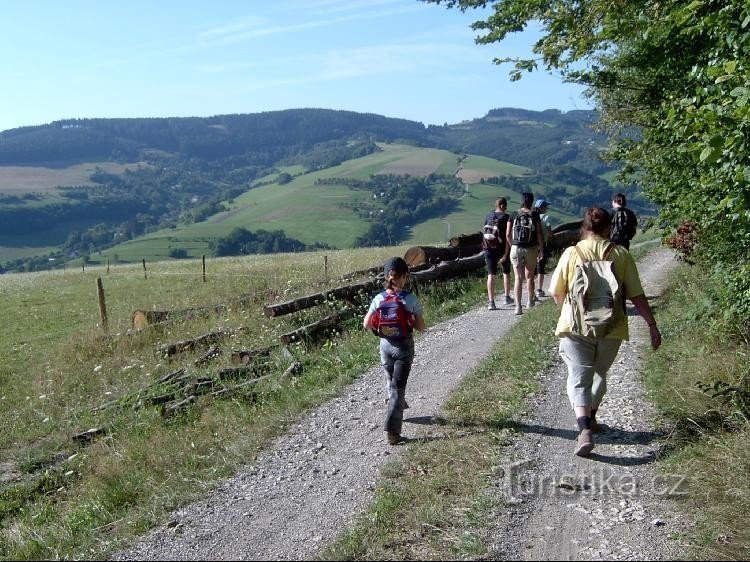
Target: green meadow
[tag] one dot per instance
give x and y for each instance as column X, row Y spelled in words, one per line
column 315, row 213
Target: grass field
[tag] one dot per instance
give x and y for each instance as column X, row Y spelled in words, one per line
column 64, row 500
column 60, row 499
column 313, row 213
column 18, row 180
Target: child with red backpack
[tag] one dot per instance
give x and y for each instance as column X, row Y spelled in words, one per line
column 393, row 315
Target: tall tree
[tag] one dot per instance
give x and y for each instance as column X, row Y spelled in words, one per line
column 672, row 82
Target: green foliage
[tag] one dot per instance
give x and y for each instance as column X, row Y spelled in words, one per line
column 242, row 242
column 672, row 82
column 403, row 201
column 699, row 381
column 736, row 398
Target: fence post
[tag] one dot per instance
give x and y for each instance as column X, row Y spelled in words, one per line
column 107, row 265
column 145, row 276
column 203, row 260
column 102, row 305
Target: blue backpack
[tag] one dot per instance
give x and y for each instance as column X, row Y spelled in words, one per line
column 392, row 319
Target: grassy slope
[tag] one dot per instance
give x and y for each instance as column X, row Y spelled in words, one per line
column 273, row 207
column 55, row 367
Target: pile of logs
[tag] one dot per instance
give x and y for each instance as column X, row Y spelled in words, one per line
column 462, row 255
column 564, row 235
column 177, row 390
column 358, row 295
column 467, row 245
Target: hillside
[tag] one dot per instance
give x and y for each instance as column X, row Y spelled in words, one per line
column 73, row 188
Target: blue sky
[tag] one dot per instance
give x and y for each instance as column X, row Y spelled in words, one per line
column 400, row 58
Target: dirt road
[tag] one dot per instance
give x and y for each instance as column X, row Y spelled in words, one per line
column 312, row 482
column 615, row 505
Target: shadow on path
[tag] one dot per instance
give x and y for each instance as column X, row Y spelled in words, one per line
column 607, row 436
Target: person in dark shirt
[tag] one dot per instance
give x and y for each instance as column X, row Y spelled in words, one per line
column 497, row 252
column 624, row 222
column 526, row 240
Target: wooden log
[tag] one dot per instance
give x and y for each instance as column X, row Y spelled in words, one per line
column 179, row 406
column 200, row 385
column 213, row 352
column 295, row 305
column 240, row 372
column 224, row 392
column 370, row 272
column 144, row 318
column 168, row 350
column 473, row 239
column 574, row 225
column 450, row 269
column 420, row 255
column 88, row 435
column 246, row 356
column 155, row 400
column 294, row 370
column 316, row 329
column 561, row 240
column 170, row 376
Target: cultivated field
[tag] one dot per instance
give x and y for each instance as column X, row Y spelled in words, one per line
column 17, row 180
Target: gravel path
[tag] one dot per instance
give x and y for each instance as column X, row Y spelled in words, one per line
column 314, row 480
column 613, row 505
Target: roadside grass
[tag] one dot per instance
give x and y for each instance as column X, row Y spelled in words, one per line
column 431, row 504
column 63, row 499
column 710, row 436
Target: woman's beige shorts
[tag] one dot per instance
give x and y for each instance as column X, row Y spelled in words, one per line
column 527, row 256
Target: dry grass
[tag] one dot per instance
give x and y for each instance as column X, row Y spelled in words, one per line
column 63, row 499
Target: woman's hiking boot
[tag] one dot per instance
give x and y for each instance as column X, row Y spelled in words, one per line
column 585, row 443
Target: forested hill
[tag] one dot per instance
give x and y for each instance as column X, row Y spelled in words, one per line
column 263, row 138
column 527, row 138
column 540, row 140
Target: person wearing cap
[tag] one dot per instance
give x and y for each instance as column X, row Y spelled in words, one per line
column 396, row 353
column 542, row 205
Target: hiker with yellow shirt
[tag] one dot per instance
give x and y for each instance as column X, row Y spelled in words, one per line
column 590, row 339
